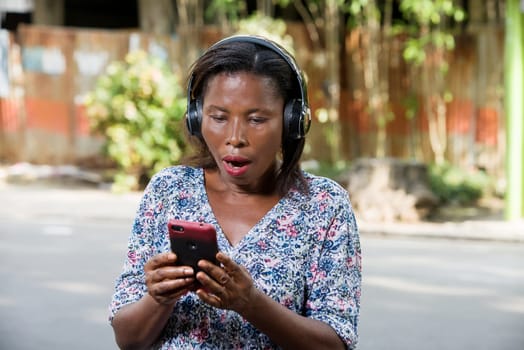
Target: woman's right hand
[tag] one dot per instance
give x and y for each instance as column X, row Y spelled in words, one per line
column 166, row 283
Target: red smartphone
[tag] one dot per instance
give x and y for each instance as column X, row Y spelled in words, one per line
column 193, row 241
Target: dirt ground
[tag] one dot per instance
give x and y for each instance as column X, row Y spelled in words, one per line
column 485, row 209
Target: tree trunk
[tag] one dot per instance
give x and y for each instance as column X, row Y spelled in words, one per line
column 332, row 20
column 265, row 7
column 48, row 12
column 190, row 22
column 156, row 17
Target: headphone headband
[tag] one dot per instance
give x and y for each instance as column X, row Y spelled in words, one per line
column 297, row 116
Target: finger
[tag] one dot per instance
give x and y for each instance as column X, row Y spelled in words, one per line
column 170, row 287
column 166, row 258
column 212, row 275
column 173, row 272
column 223, row 258
column 230, row 266
column 208, row 281
column 170, row 298
column 209, row 298
column 168, row 273
column 162, row 259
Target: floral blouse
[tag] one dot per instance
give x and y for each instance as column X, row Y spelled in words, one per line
column 304, row 253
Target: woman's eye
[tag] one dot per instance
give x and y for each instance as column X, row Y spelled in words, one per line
column 217, row 117
column 257, row 120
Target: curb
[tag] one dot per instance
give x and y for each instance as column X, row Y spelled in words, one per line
column 502, row 231
column 65, row 175
column 70, row 177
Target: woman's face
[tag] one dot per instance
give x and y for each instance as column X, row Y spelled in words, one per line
column 242, row 126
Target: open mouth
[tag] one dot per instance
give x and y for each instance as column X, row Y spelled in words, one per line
column 236, row 161
column 236, row 165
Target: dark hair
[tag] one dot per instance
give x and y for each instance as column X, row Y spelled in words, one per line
column 239, row 56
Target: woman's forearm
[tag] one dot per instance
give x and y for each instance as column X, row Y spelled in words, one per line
column 288, row 329
column 138, row 325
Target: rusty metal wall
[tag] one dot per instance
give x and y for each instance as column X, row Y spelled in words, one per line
column 42, row 114
column 474, row 117
column 51, row 68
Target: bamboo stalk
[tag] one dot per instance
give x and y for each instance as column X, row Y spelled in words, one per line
column 514, row 81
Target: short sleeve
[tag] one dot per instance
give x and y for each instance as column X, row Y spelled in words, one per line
column 143, row 243
column 335, row 274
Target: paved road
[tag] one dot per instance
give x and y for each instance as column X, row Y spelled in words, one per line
column 60, row 251
column 442, row 294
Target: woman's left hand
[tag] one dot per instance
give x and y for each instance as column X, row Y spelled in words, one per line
column 228, row 287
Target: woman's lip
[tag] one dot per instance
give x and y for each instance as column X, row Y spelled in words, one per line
column 235, row 159
column 234, row 170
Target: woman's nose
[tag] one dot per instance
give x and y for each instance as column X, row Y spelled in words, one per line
column 236, row 133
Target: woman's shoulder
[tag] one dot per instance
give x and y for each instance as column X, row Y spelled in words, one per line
column 180, row 170
column 325, row 197
column 178, row 175
column 320, row 184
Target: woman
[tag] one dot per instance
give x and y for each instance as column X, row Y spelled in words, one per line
column 289, row 274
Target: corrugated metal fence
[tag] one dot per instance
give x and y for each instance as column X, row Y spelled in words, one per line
column 49, row 70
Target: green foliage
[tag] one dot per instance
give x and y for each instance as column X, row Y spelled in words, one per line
column 138, row 105
column 358, row 7
column 327, row 169
column 431, row 12
column 231, row 9
column 271, row 28
column 426, row 25
column 457, row 186
column 411, row 103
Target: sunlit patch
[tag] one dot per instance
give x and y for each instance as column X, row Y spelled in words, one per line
column 77, row 287
column 511, row 304
column 6, row 301
column 96, row 315
column 57, row 230
column 407, row 286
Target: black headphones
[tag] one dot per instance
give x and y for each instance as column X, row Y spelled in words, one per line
column 297, row 115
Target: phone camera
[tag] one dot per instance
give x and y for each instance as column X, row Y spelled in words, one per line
column 177, row 228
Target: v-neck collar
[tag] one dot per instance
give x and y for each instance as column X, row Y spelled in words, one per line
column 223, row 241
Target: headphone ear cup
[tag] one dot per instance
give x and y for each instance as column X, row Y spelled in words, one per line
column 194, row 117
column 297, row 119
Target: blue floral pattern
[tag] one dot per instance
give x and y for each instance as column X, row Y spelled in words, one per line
column 304, row 253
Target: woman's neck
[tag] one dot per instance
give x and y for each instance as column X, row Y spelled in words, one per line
column 264, row 186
